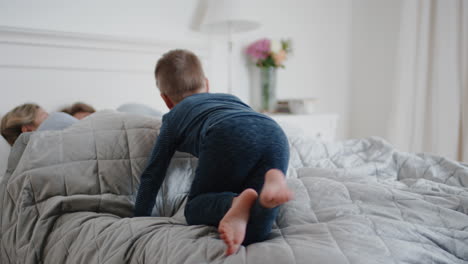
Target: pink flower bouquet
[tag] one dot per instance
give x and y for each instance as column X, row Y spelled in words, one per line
column 267, row 53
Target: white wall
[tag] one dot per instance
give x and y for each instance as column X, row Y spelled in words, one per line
column 326, row 46
column 54, row 68
column 344, row 55
column 121, row 45
column 318, row 67
column 375, row 29
column 155, row 19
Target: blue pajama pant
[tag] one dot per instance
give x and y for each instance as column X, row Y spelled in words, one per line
column 234, row 156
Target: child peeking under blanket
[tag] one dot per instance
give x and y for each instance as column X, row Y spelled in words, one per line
column 242, row 155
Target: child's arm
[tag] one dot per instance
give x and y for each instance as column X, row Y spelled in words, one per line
column 155, row 172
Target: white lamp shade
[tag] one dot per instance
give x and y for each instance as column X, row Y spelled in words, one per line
column 229, row 16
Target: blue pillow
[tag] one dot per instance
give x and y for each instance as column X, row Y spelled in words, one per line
column 57, row 121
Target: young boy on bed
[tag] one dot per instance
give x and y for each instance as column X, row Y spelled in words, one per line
column 242, row 155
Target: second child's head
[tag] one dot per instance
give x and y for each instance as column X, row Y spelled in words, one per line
column 179, row 74
column 79, row 110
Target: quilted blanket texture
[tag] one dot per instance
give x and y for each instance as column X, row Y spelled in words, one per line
column 68, row 198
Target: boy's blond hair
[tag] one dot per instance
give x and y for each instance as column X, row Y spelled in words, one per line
column 14, row 120
column 179, row 73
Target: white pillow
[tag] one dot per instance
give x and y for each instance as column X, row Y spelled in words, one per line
column 4, row 153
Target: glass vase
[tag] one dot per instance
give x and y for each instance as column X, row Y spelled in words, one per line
column 268, row 84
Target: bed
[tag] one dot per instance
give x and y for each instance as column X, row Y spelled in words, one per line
column 68, row 196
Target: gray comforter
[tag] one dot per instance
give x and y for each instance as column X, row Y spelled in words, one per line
column 68, row 196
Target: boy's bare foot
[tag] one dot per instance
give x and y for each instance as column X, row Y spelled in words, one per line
column 233, row 225
column 275, row 191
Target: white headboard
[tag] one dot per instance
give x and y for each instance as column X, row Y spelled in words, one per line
column 55, row 69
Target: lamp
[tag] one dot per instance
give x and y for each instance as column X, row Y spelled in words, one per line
column 229, row 17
